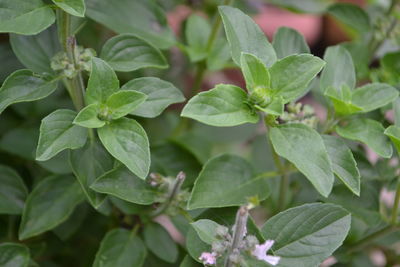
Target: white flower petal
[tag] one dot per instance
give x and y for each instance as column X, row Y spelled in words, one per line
column 273, row 260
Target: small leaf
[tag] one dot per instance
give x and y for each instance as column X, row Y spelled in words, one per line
column 342, row 100
column 126, row 52
column 308, row 234
column 339, row 69
column 36, row 51
column 25, row 17
column 24, row 86
column 13, row 191
column 124, row 102
column 102, row 83
column 225, row 181
column 224, row 105
column 393, row 132
column 127, row 141
column 14, row 255
column 276, row 106
column 288, row 41
column 343, row 162
column 50, row 203
column 351, row 15
column 122, row 183
column 291, row 75
column 57, row 132
column 73, row 7
column 244, row 35
column 189, row 262
column 254, row 71
column 120, row 247
column 158, row 241
column 293, row 141
column 374, row 95
column 369, row 132
column 160, row 94
column 206, row 230
column 88, row 117
column 88, row 163
column 197, row 32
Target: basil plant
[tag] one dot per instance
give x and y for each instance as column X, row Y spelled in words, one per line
column 118, row 148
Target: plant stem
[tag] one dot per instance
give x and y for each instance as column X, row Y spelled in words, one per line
column 238, row 233
column 396, row 204
column 372, row 237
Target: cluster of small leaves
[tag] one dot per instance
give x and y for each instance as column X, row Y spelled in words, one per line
column 96, row 171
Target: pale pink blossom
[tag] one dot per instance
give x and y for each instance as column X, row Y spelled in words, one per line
column 208, row 258
column 260, row 252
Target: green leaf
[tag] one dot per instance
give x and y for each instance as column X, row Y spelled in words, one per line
column 369, row 132
column 127, row 141
column 148, row 21
column 88, row 117
column 396, row 109
column 197, row 32
column 339, row 69
column 343, row 162
column 308, row 234
column 36, row 51
column 50, row 203
column 158, row 241
column 122, row 183
column 124, row 102
column 276, row 106
column 57, row 132
column 126, row 52
column 393, row 132
column 304, row 6
column 73, row 7
column 291, row 75
column 224, row 105
column 120, row 247
column 293, row 141
column 206, row 230
column 254, row 71
column 374, row 95
column 288, row 41
column 160, row 94
column 24, row 86
column 351, row 15
column 342, row 100
column 14, row 255
column 102, row 83
column 13, row 191
column 224, row 181
column 189, row 262
column 244, row 35
column 89, row 163
column 25, row 17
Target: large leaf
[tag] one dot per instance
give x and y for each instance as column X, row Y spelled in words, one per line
column 73, row 7
column 127, row 141
column 89, row 163
column 160, row 94
column 351, row 15
column 288, row 41
column 158, row 241
column 369, row 132
column 14, row 255
column 49, row 204
column 224, row 105
column 123, row 184
column 339, row 69
column 374, row 95
column 306, row 235
column 24, row 86
column 291, row 75
column 343, row 162
column 126, row 52
column 25, row 17
column 102, row 82
column 244, row 35
column 36, row 51
column 197, row 32
column 293, row 141
column 225, row 181
column 57, row 132
column 120, row 247
column 254, row 71
column 148, row 22
column 13, row 191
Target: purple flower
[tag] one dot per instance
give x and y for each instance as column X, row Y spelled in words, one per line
column 208, row 258
column 260, row 252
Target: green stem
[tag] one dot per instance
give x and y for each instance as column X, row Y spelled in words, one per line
column 395, row 210
column 369, row 239
column 238, row 233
